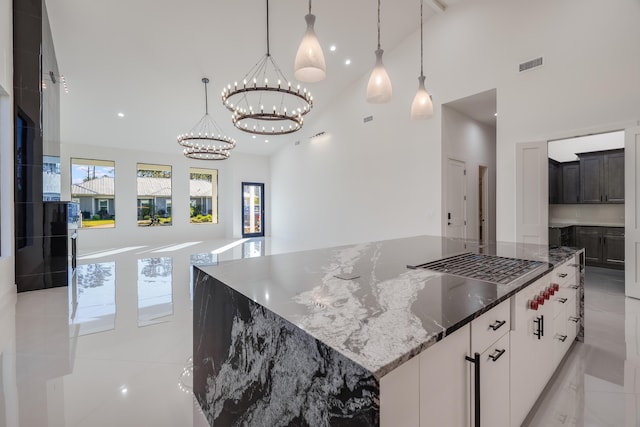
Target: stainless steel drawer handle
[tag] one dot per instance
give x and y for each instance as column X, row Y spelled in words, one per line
column 497, row 354
column 498, row 324
column 574, row 319
column 562, row 338
column 562, row 300
column 562, row 275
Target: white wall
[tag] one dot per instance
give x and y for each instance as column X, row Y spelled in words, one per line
column 240, row 167
column 383, row 179
column 7, row 264
column 473, row 143
column 565, row 150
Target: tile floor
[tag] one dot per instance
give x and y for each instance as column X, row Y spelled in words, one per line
column 113, row 349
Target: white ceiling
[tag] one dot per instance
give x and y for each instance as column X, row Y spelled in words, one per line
column 481, row 107
column 564, row 150
column 146, row 58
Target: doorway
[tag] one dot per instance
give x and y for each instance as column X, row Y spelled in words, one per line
column 252, row 209
column 483, row 203
column 456, row 199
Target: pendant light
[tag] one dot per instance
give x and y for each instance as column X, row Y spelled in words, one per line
column 206, row 141
column 422, row 107
column 264, row 86
column 379, row 87
column 309, row 65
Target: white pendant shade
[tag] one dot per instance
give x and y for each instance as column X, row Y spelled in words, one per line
column 309, row 65
column 422, row 107
column 379, row 88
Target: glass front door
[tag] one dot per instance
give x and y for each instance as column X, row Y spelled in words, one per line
column 252, row 209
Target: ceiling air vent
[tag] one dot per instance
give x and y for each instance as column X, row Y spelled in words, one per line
column 534, row 63
column 367, row 119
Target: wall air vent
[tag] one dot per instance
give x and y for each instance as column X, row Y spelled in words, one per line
column 529, row 65
column 368, row 119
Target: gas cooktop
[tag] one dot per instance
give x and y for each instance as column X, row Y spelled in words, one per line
column 488, row 268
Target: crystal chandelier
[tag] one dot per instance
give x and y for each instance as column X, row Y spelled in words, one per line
column 422, row 107
column 379, row 88
column 205, row 141
column 265, row 103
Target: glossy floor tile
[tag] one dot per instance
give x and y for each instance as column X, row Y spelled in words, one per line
column 114, row 348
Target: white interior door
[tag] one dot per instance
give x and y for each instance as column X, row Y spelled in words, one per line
column 456, row 215
column 532, row 193
column 632, row 212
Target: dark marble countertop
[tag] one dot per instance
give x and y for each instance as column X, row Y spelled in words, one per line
column 379, row 313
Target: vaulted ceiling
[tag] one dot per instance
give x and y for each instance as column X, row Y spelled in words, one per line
column 145, row 59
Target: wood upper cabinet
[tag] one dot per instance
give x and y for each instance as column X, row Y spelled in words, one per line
column 602, row 177
column 591, row 173
column 555, row 182
column 614, row 177
column 570, row 183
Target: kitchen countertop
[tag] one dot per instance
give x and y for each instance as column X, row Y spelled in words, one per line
column 584, row 224
column 380, row 313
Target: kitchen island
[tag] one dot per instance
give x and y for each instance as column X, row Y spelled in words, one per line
column 332, row 336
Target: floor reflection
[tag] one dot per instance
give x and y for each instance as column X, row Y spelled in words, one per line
column 155, row 292
column 92, row 299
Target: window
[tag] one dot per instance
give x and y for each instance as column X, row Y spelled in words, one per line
column 154, row 195
column 203, row 196
column 93, row 188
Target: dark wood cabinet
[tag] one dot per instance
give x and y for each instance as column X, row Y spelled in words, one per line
column 613, row 246
column 602, row 177
column 570, row 183
column 604, row 246
column 555, row 182
column 614, row 177
column 590, row 238
column 591, row 171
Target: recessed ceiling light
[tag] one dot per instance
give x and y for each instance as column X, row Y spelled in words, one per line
column 347, row 62
column 254, row 137
column 495, row 114
column 124, row 390
column 266, row 140
column 120, row 114
column 332, row 48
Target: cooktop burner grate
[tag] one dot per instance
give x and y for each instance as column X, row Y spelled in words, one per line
column 488, row 268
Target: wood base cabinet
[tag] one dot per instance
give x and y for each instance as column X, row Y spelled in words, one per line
column 604, row 246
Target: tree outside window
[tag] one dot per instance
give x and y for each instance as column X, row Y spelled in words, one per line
column 154, row 194
column 203, row 196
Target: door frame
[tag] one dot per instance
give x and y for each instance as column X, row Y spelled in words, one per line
column 262, row 200
column 445, row 225
column 484, row 192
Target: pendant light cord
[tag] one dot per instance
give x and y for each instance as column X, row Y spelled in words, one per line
column 378, row 24
column 309, row 7
column 421, row 47
column 206, row 96
column 268, row 47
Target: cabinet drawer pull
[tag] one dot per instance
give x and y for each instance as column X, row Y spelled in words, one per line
column 562, row 338
column 562, row 275
column 574, row 319
column 476, row 371
column 498, row 353
column 574, row 287
column 498, row 324
column 562, row 300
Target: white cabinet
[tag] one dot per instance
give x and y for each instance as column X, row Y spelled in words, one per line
column 399, row 396
column 531, row 349
column 445, row 382
column 494, row 384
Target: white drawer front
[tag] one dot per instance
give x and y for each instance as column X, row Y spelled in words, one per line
column 490, row 327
